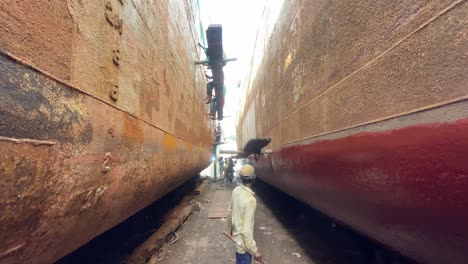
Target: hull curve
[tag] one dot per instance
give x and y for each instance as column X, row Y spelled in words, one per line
column 403, row 187
column 101, row 114
column 366, row 105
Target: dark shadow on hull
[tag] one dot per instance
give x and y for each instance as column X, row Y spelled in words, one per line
column 322, row 238
column 113, row 246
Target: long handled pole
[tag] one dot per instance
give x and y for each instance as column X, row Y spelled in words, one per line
column 240, row 245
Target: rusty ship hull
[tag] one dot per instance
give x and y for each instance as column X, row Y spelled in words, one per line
column 101, row 114
column 367, row 107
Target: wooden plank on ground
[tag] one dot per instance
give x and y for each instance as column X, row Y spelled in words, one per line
column 219, row 204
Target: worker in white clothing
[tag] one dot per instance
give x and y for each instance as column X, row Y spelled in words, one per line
column 241, row 217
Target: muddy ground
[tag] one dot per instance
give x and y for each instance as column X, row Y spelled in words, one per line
column 286, row 231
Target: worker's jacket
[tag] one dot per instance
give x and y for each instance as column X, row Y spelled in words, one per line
column 241, row 218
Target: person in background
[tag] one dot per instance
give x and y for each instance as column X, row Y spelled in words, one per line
column 229, row 171
column 218, row 133
column 209, row 91
column 221, row 166
column 241, row 214
column 213, row 104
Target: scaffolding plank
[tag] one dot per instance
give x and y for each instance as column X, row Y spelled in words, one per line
column 219, row 204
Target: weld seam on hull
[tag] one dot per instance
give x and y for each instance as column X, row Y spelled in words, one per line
column 366, row 179
column 154, row 38
column 27, row 64
column 12, row 250
column 251, row 91
column 414, row 111
column 143, row 20
column 35, row 142
column 432, row 19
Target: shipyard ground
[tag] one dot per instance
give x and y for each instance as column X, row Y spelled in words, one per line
column 286, row 231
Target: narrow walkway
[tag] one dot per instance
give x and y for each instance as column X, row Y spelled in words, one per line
column 286, row 231
column 201, row 239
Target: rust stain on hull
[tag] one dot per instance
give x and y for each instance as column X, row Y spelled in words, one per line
column 74, row 160
column 170, row 142
column 340, row 74
column 132, row 129
column 52, row 193
column 26, row 33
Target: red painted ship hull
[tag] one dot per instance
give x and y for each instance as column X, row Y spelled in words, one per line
column 366, row 105
column 404, row 187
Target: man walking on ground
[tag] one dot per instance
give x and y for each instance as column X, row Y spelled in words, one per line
column 241, row 216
